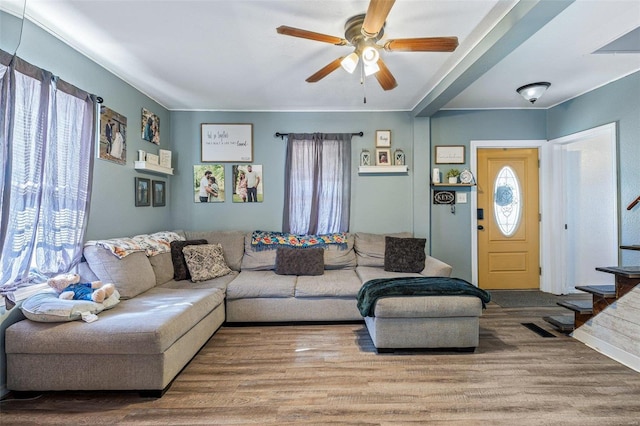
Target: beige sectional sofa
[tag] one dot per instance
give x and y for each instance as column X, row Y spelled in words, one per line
column 160, row 324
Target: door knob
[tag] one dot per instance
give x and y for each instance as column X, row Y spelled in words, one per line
column 480, row 228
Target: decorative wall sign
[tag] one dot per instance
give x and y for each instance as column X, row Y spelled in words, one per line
column 450, row 154
column 383, row 138
column 444, row 197
column 227, row 142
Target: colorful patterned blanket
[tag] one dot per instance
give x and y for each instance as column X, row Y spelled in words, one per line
column 265, row 240
column 153, row 244
column 377, row 288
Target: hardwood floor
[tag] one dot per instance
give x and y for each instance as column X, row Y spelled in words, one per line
column 290, row 375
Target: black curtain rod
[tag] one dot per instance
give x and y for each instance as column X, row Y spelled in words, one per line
column 282, row 135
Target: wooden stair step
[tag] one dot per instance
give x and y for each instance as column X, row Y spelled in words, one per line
column 579, row 306
column 564, row 323
column 607, row 291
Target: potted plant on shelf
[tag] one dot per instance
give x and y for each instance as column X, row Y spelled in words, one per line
column 452, row 175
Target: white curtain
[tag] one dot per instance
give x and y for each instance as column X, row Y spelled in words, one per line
column 317, row 183
column 47, row 144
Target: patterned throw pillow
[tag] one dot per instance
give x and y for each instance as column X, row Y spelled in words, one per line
column 180, row 270
column 300, row 261
column 404, row 254
column 205, row 262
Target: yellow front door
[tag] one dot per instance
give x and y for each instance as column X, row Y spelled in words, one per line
column 508, row 233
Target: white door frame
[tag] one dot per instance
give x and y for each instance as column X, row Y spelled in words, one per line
column 556, row 225
column 544, row 155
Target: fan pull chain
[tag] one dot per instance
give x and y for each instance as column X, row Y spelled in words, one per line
column 362, row 82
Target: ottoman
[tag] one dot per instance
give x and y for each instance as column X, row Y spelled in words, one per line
column 425, row 322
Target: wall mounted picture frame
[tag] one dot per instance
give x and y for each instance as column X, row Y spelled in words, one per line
column 383, row 157
column 159, row 193
column 112, row 144
column 150, row 127
column 208, row 183
column 225, row 143
column 383, row 138
column 449, row 154
column 142, row 192
column 248, row 186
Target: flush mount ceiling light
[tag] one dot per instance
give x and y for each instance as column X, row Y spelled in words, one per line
column 533, row 91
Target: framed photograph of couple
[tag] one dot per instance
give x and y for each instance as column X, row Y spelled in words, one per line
column 208, row 183
column 247, row 183
column 112, row 144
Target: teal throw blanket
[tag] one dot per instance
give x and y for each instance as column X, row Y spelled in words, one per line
column 374, row 289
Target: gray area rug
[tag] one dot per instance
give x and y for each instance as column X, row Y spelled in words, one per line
column 530, row 298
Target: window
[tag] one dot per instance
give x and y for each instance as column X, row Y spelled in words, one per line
column 47, row 138
column 317, row 183
column 506, row 201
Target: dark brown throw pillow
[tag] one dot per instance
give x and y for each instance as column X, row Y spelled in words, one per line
column 300, row 261
column 180, row 269
column 404, row 254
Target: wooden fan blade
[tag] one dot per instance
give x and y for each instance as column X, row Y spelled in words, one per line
column 376, row 15
column 325, row 71
column 384, row 76
column 296, row 32
column 424, row 44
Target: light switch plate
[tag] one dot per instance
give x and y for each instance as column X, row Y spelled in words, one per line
column 461, row 198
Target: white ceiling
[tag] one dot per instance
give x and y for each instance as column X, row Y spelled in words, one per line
column 226, row 55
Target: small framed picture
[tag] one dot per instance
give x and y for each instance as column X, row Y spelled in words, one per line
column 383, row 157
column 143, row 193
column 159, row 193
column 150, row 126
column 383, row 138
column 450, row 154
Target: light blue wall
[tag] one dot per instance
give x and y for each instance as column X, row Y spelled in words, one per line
column 379, row 203
column 450, row 233
column 617, row 102
column 113, row 212
column 9, row 31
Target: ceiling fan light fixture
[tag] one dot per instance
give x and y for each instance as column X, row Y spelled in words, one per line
column 370, row 55
column 370, row 69
column 532, row 92
column 350, row 62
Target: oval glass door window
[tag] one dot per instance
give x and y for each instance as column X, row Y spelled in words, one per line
column 506, row 201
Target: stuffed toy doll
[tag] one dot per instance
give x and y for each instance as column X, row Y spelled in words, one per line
column 68, row 286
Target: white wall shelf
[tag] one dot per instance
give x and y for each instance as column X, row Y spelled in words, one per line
column 453, row 184
column 363, row 170
column 143, row 166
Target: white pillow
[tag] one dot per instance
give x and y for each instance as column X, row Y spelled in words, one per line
column 46, row 307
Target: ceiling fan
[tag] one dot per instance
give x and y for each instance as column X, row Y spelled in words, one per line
column 363, row 33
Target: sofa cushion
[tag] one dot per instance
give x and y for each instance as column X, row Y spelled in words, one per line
column 47, row 307
column 257, row 260
column 295, row 261
column 147, row 324
column 333, row 283
column 180, row 269
column 336, row 257
column 162, row 265
column 369, row 248
column 132, row 275
column 404, row 254
column 205, row 262
column 252, row 284
column 232, row 244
